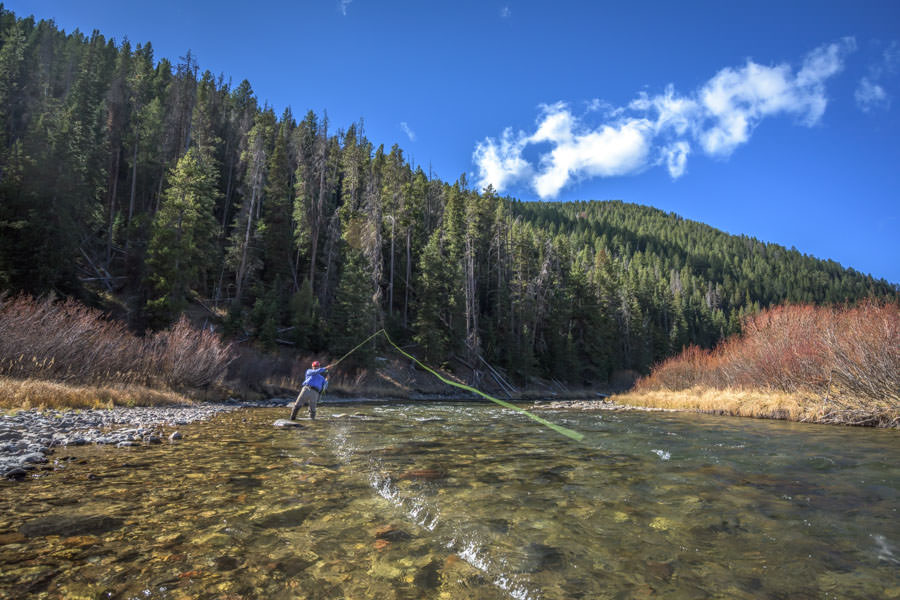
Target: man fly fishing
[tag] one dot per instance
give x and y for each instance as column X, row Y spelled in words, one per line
column 314, row 385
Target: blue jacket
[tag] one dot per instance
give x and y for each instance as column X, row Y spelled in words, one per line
column 315, row 378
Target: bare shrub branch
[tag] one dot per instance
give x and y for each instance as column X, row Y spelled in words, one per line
column 68, row 342
column 847, row 357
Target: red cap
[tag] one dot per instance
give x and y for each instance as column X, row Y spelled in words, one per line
column 315, row 364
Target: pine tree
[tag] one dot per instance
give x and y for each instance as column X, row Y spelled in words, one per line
column 183, row 234
column 244, row 251
column 353, row 316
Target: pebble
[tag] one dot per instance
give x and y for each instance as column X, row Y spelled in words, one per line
column 29, row 436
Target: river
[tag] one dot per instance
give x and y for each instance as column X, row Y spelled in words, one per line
column 463, row 501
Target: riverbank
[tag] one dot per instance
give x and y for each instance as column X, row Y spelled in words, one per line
column 760, row 404
column 833, row 365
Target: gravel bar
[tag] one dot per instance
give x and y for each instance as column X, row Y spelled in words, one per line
column 28, row 437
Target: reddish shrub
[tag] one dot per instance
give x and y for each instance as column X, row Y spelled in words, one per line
column 825, row 350
column 67, row 341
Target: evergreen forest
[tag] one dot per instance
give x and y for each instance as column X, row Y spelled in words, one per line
column 132, row 181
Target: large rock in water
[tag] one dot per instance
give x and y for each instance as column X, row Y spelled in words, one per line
column 69, row 525
column 291, row 517
column 540, row 557
column 287, row 423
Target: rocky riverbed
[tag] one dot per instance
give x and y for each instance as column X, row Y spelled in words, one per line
column 29, row 437
column 598, row 405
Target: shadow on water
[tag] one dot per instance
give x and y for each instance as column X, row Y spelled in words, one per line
column 463, row 501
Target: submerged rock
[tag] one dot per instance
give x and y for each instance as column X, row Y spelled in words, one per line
column 540, row 557
column 11, row 538
column 284, row 519
column 429, row 576
column 226, row 563
column 287, row 423
column 69, row 525
column 660, row 570
column 17, row 473
column 391, row 533
column 427, row 474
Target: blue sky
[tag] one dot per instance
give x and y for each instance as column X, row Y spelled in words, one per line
column 780, row 120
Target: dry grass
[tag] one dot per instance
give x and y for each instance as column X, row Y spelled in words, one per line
column 835, row 364
column 32, row 393
column 761, row 404
column 736, row 402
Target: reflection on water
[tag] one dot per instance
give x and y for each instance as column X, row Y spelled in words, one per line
column 464, row 501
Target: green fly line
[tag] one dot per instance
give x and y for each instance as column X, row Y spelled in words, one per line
column 557, row 428
column 357, row 347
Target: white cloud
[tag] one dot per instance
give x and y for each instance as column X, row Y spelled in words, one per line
column 609, row 150
column 409, row 132
column 737, row 100
column 596, row 104
column 342, row 6
column 870, row 95
column 891, row 57
column 505, row 12
column 500, row 162
column 659, row 130
column 675, row 155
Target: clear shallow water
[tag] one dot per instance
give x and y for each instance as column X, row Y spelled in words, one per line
column 464, row 501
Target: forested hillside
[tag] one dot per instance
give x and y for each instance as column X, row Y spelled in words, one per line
column 124, row 178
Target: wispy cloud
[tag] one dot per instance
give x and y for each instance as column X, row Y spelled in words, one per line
column 870, row 93
column 505, row 12
column 408, row 131
column 659, row 130
column 342, row 6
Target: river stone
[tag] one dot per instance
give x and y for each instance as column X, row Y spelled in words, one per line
column 245, row 482
column 391, row 534
column 175, row 436
column 540, row 557
column 287, row 423
column 660, row 570
column 35, row 458
column 11, row 538
column 429, row 576
column 293, row 566
column 284, row 519
column 226, row 563
column 18, row 474
column 69, row 525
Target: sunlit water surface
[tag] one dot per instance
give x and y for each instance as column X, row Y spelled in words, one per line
column 465, row 502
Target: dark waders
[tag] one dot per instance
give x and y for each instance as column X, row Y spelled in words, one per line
column 309, row 396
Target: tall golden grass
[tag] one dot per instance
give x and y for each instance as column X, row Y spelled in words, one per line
column 837, row 364
column 38, row 393
column 67, row 342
